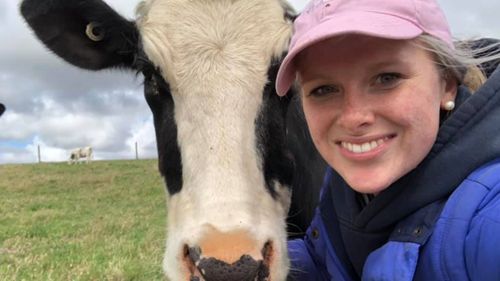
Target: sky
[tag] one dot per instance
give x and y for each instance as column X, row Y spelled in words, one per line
column 58, row 107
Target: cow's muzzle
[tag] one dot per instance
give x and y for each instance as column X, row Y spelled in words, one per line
column 217, row 261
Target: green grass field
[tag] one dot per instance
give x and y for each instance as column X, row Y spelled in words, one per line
column 103, row 221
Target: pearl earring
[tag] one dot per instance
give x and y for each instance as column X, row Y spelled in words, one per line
column 449, row 105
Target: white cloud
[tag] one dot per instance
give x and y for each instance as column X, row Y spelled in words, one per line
column 17, row 155
column 47, row 153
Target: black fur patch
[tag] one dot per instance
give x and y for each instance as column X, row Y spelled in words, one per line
column 161, row 103
column 277, row 160
column 288, row 153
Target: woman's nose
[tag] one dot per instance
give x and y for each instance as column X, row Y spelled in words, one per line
column 356, row 113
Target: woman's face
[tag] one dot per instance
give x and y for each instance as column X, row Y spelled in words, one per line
column 372, row 106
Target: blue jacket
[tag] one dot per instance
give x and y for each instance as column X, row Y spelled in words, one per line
column 439, row 222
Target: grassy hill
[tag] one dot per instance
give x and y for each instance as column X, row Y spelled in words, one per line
column 103, row 221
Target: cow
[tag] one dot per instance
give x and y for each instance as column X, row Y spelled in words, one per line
column 233, row 155
column 80, row 153
column 2, row 109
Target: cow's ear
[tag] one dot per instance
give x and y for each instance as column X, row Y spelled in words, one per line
column 86, row 33
column 2, row 109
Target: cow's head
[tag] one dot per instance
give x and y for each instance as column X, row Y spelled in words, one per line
column 209, row 70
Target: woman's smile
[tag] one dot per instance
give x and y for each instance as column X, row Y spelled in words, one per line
column 363, row 150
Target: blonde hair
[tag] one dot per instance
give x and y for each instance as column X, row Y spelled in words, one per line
column 464, row 62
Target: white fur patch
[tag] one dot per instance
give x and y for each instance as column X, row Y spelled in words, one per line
column 215, row 54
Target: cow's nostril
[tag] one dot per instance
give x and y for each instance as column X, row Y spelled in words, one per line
column 194, row 254
column 267, row 256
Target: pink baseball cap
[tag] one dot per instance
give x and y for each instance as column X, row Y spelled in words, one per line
column 391, row 19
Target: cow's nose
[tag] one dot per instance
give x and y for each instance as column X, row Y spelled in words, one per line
column 228, row 257
column 245, row 269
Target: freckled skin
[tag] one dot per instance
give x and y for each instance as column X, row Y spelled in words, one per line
column 364, row 107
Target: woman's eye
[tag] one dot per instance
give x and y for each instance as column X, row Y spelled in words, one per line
column 388, row 79
column 324, row 90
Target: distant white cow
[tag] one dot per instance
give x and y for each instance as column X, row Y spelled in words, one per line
column 78, row 153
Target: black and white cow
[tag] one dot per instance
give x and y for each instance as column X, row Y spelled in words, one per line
column 230, row 150
column 81, row 153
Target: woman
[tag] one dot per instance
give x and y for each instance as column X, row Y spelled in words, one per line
column 413, row 192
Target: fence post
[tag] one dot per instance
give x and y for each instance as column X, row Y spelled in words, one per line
column 136, row 152
column 39, row 156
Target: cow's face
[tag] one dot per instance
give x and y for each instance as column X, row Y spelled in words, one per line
column 209, row 69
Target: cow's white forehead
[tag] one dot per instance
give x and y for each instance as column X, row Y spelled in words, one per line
column 191, row 40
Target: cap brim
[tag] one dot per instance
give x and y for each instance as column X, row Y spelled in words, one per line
column 361, row 22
